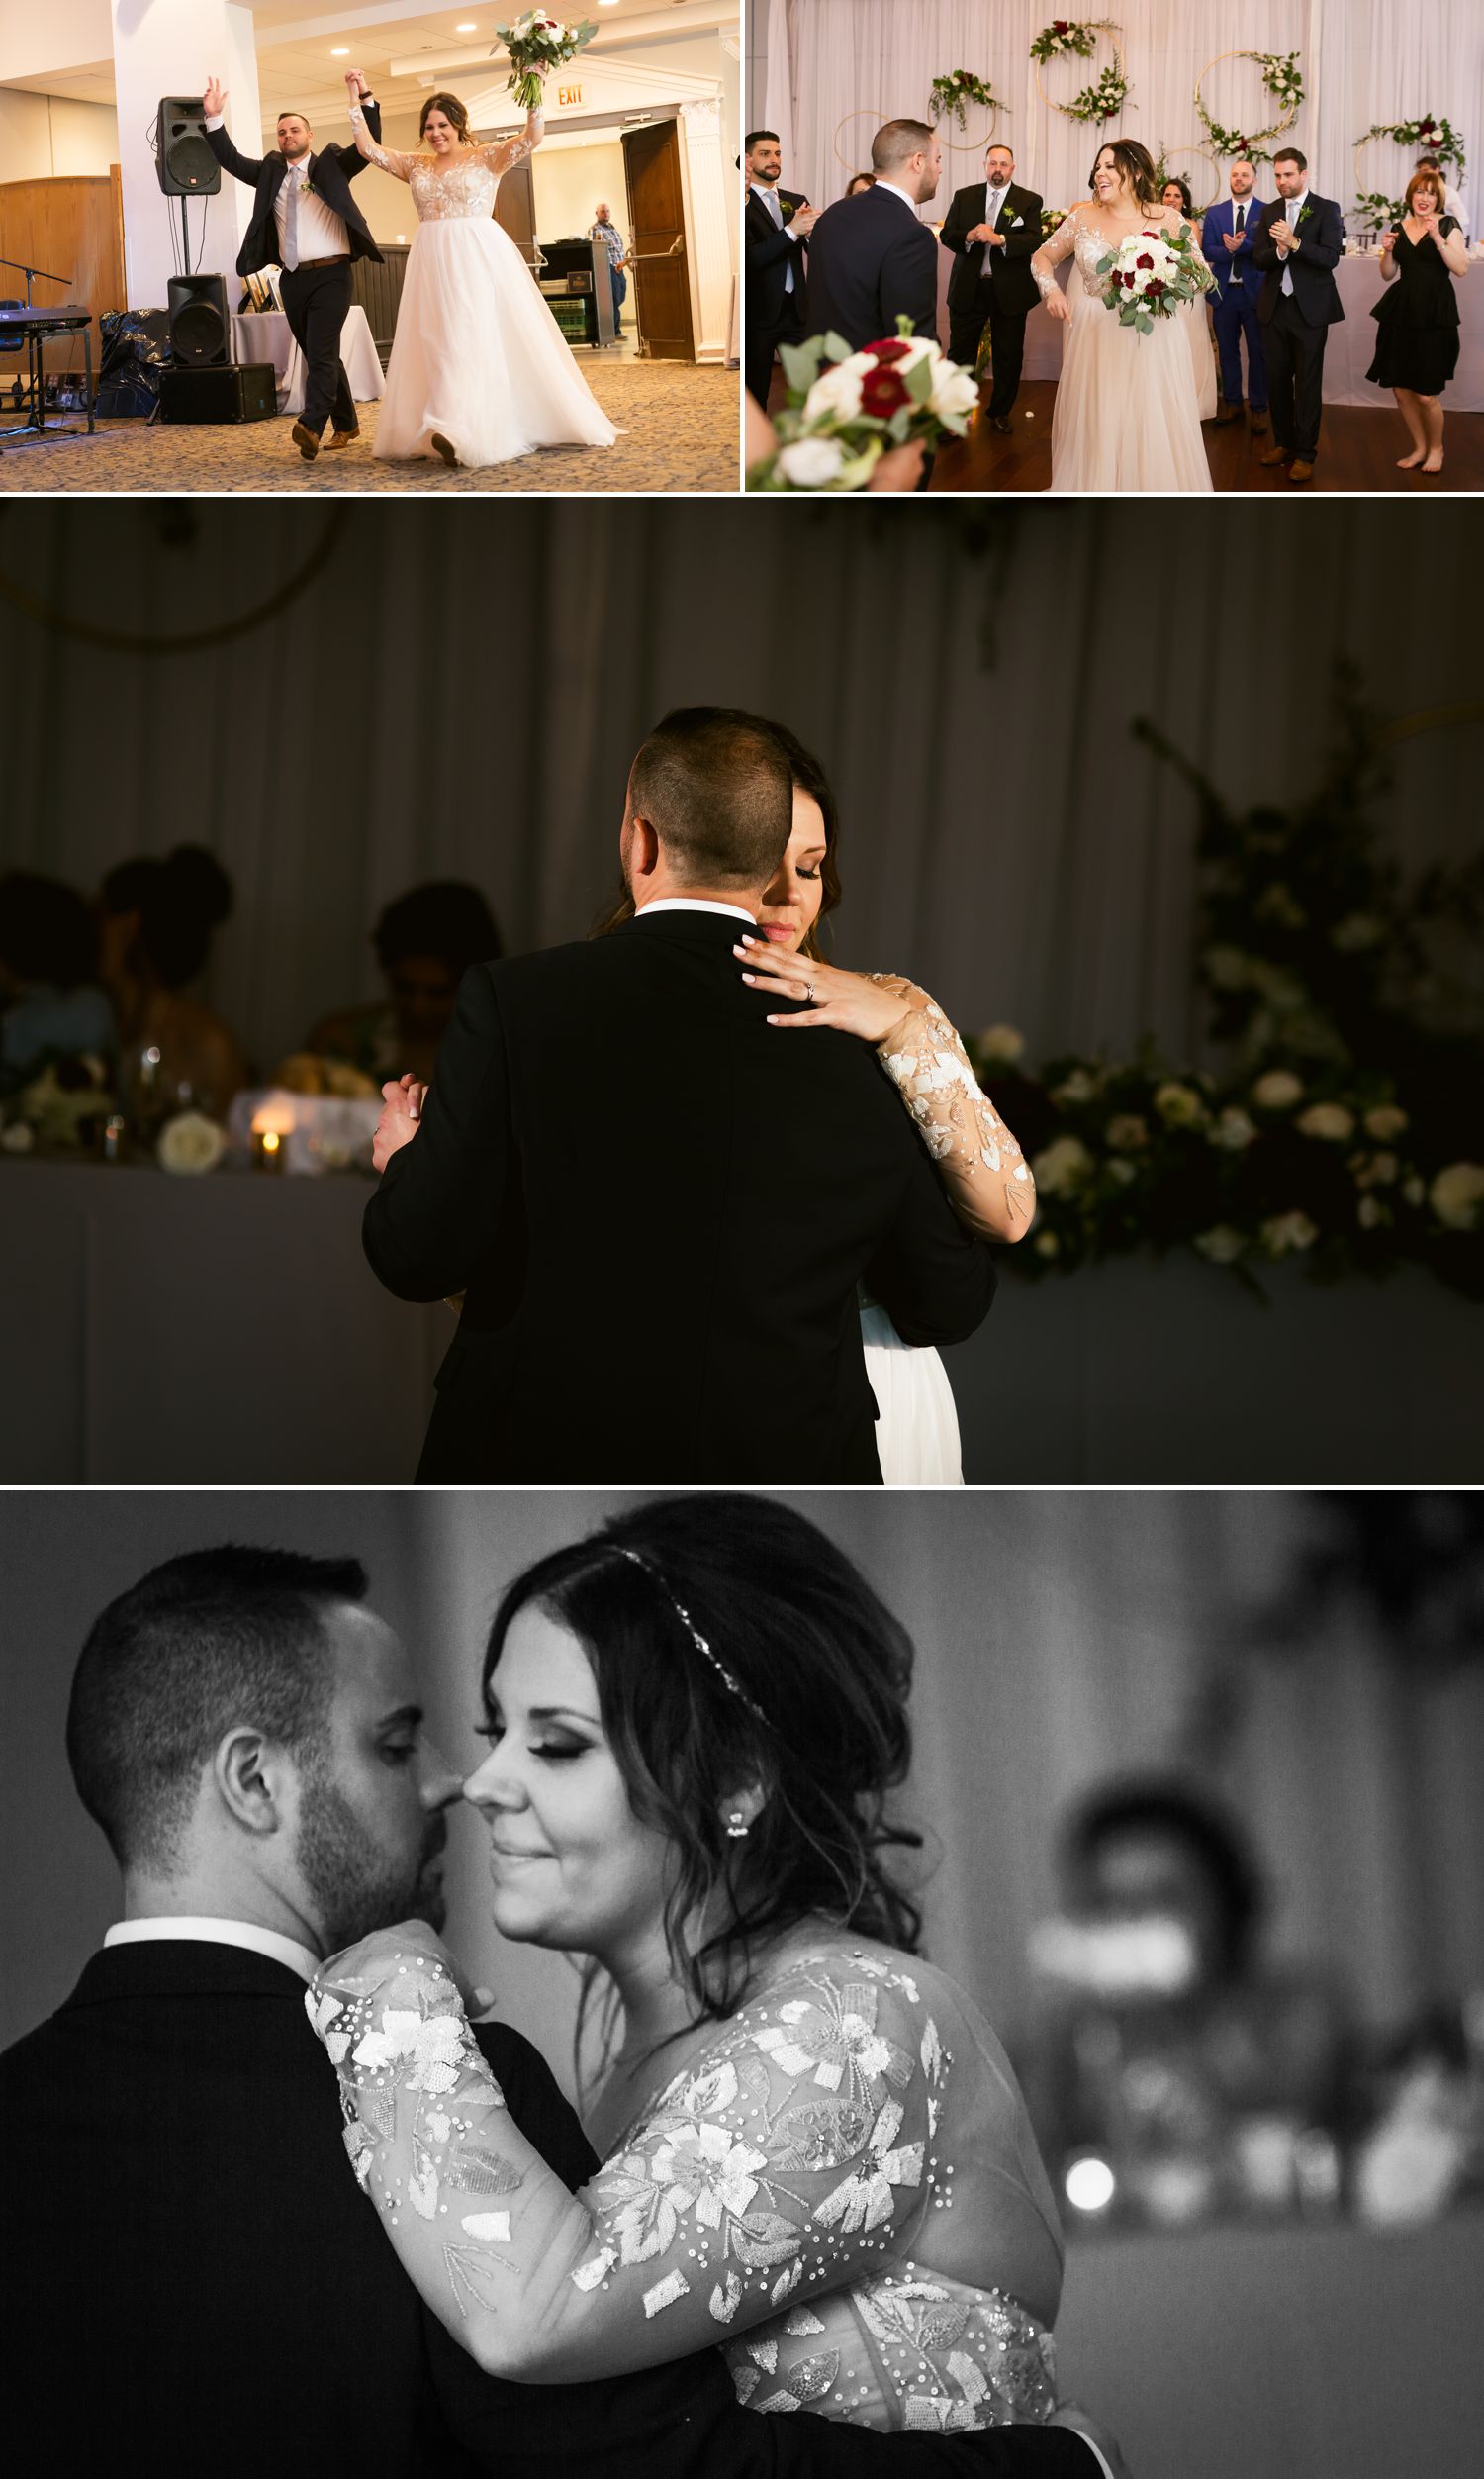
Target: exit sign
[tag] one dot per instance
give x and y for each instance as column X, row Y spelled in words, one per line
column 569, row 94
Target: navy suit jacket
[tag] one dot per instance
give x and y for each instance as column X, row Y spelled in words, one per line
column 1220, row 219
column 870, row 261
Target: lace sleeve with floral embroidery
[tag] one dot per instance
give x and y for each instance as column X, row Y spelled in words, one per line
column 987, row 1177
column 399, row 167
column 508, row 152
column 785, row 2163
column 1058, row 246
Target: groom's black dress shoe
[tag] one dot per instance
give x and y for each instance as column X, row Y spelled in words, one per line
column 1002, row 422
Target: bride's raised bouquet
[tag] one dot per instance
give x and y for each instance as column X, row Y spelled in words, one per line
column 537, row 44
column 1150, row 274
column 846, row 410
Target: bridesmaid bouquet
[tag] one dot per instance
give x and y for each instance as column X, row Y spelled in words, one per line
column 537, row 44
column 840, row 421
column 1151, row 274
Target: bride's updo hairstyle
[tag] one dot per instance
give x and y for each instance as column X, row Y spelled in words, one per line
column 734, row 1644
column 1135, row 163
column 453, row 110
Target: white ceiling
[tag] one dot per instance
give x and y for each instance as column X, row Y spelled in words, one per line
column 303, row 53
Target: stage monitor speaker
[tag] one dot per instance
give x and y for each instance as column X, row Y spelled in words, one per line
column 184, row 161
column 244, row 391
column 199, row 332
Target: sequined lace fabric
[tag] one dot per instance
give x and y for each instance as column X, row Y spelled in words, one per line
column 841, row 2187
column 465, row 187
column 987, row 1177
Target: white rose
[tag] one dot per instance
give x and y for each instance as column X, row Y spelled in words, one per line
column 1456, row 1194
column 1277, row 1091
column 1369, row 1212
column 1061, row 1165
column 1002, row 1042
column 1284, row 1234
column 954, row 394
column 17, row 1138
column 1233, row 1132
column 837, row 391
column 1078, row 1086
column 190, row 1143
column 1385, row 1121
column 1125, row 1173
column 1178, row 1107
column 813, row 464
column 1221, row 1243
column 1327, row 1120
column 1127, row 1131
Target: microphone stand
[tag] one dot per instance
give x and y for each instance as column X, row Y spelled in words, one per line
column 33, row 350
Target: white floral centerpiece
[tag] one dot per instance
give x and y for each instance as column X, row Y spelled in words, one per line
column 537, row 44
column 1151, row 274
column 190, row 1144
column 845, row 409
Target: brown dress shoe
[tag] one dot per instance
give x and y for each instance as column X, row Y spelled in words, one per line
column 307, row 442
column 1277, row 456
column 1258, row 424
column 1226, row 414
column 343, row 438
column 1301, row 471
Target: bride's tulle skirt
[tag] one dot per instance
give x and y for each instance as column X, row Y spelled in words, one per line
column 477, row 356
column 917, row 1423
column 1128, row 414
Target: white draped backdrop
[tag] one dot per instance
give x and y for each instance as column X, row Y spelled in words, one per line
column 815, row 63
column 447, row 699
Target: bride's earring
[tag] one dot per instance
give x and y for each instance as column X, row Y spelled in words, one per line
column 737, row 1827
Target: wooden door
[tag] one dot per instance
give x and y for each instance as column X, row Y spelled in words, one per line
column 657, row 221
column 515, row 209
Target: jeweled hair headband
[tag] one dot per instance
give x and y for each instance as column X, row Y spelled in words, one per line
column 732, row 1685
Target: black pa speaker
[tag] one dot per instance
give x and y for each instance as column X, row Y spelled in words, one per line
column 184, row 161
column 245, row 391
column 197, row 310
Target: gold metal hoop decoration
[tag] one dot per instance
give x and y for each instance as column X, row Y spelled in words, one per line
column 878, row 120
column 196, row 640
column 1257, row 135
column 1112, row 32
column 966, row 146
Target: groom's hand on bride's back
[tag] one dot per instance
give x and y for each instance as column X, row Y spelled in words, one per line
column 1072, row 2414
column 401, row 1115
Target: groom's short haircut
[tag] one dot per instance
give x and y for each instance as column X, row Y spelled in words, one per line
column 897, row 142
column 755, row 137
column 714, row 784
column 210, row 1641
column 1290, row 155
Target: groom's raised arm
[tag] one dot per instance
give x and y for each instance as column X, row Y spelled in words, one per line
column 930, row 1274
column 444, row 1199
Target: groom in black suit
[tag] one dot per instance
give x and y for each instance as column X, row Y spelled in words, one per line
column 871, row 260
column 992, row 228
column 305, row 222
column 197, row 2283
column 1298, row 243
column 776, row 225
column 658, row 1208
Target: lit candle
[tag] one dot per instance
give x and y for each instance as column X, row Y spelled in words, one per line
column 271, row 1126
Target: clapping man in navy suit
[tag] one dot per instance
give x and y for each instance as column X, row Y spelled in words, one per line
column 1227, row 238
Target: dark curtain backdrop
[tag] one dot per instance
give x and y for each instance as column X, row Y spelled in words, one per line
column 457, row 690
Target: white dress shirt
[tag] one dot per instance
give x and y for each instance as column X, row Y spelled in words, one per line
column 1292, row 208
column 212, row 1932
column 696, row 903
column 897, row 191
column 775, row 207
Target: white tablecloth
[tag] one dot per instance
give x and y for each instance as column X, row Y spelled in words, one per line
column 1348, row 354
column 263, row 336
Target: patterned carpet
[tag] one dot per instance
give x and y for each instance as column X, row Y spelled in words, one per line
column 679, row 426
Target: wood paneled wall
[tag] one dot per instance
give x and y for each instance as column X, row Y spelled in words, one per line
column 75, row 226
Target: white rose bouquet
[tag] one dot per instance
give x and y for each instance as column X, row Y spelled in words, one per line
column 1151, row 274
column 537, row 44
column 845, row 409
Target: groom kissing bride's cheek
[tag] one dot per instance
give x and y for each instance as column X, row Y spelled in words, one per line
column 249, row 1733
column 706, row 1202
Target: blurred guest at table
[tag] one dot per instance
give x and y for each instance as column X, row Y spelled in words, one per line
column 1453, row 204
column 858, row 181
column 1197, row 2076
column 1416, row 346
column 425, row 941
column 1227, row 247
column 156, row 920
column 50, row 1003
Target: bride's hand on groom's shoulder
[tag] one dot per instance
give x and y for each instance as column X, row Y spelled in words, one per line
column 402, row 1111
column 388, row 1951
column 850, row 1002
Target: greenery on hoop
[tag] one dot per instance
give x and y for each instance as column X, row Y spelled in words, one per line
column 1069, row 34
column 956, row 88
column 1377, row 212
column 1068, row 37
column 1283, row 79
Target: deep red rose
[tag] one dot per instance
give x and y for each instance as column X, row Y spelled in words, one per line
column 882, row 394
column 1061, row 25
column 890, row 348
column 1145, row 262
column 1152, row 291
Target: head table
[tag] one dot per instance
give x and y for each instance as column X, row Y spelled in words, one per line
column 229, row 1329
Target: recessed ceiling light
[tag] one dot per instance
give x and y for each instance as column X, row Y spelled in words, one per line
column 466, row 30
column 342, row 52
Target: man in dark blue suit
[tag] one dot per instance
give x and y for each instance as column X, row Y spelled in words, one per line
column 871, row 260
column 1299, row 243
column 1227, row 238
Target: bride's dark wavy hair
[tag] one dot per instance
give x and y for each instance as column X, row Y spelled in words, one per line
column 810, row 1645
column 1137, row 165
column 453, row 110
column 808, row 775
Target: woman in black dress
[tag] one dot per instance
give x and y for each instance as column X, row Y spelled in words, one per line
column 1417, row 348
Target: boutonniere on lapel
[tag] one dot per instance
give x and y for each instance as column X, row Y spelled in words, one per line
column 1305, row 213
column 787, row 209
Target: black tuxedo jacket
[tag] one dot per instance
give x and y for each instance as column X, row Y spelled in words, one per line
column 660, row 1206
column 332, row 171
column 770, row 254
column 1008, row 269
column 870, row 261
column 1321, row 247
column 194, row 2282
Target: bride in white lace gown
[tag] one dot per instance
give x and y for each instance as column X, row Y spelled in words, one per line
column 480, row 371
column 1128, row 414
